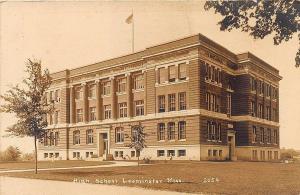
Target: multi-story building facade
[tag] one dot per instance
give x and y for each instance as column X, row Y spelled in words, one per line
column 195, row 99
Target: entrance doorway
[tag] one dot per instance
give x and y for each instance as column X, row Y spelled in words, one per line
column 231, row 145
column 103, row 144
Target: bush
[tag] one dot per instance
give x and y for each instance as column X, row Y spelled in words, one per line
column 10, row 154
column 28, row 157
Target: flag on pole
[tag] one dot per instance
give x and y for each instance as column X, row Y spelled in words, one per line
column 129, row 19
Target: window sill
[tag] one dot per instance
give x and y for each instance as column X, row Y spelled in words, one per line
column 120, row 93
column 138, row 90
column 104, row 96
column 172, row 140
column 182, row 140
column 253, row 92
column 213, row 83
column 119, row 143
column 166, row 83
column 91, row 98
column 161, row 140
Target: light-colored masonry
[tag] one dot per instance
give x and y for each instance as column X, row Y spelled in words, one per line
column 195, row 99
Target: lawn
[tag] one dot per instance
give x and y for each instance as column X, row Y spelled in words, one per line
column 48, row 164
column 205, row 177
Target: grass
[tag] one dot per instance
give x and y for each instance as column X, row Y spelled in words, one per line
column 48, row 164
column 205, row 177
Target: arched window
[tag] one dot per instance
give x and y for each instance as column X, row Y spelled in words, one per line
column 89, row 136
column 76, row 137
column 119, row 135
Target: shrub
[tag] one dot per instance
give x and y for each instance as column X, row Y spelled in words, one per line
column 10, row 154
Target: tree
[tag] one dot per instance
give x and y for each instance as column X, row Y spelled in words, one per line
column 10, row 154
column 28, row 104
column 137, row 139
column 260, row 18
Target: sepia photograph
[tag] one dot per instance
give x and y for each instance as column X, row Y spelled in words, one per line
column 149, row 97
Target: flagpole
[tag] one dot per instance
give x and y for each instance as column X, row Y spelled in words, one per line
column 132, row 31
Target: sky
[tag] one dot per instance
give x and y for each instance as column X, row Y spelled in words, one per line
column 65, row 35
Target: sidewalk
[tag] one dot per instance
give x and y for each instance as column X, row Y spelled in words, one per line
column 21, row 186
column 114, row 164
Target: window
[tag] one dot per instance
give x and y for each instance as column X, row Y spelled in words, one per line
column 160, row 153
column 182, row 100
column 171, row 153
column 92, row 113
column 260, row 110
column 172, row 102
column 213, row 102
column 76, row 137
column 171, row 131
column 181, row 153
column 89, row 136
column 269, row 135
column 212, row 127
column 218, row 104
column 50, row 155
column 132, row 153
column 268, row 113
column 116, row 153
column 261, row 87
column 275, row 93
column 56, row 155
column 161, row 103
column 207, row 71
column 268, row 90
column 92, row 91
column 218, row 133
column 182, row 71
column 119, row 135
column 107, row 111
column 56, row 95
column 253, row 84
column 172, row 73
column 78, row 93
column 181, row 130
column 209, row 153
column 215, row 153
column 56, row 117
column 79, row 115
column 208, row 101
column 139, row 108
column 45, row 139
column 254, row 134
column 262, row 135
column 253, row 108
column 275, row 136
column 121, row 83
column 51, row 119
column 56, row 137
column 161, row 75
column 106, row 88
column 123, row 109
column 229, row 104
column 254, row 154
column 51, row 96
column 51, row 138
column 220, row 153
column 275, row 155
column 161, row 131
column 274, row 114
column 45, row 155
column 139, row 81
